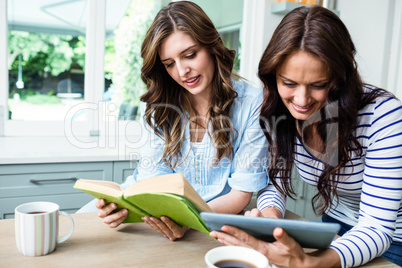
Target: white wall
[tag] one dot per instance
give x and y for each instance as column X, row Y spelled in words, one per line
column 395, row 66
column 375, row 27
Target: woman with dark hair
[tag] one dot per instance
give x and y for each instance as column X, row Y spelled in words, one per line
column 198, row 119
column 343, row 136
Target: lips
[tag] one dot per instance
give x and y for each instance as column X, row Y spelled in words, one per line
column 302, row 109
column 192, row 81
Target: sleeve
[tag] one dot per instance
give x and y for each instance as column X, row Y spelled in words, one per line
column 381, row 189
column 271, row 197
column 151, row 151
column 248, row 171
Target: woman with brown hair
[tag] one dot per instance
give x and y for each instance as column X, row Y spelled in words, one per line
column 198, row 119
column 343, row 136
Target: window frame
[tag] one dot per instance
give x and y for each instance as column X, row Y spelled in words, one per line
column 3, row 67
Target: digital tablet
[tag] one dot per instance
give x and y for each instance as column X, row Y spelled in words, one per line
column 308, row 234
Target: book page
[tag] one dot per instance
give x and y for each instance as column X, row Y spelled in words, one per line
column 105, row 187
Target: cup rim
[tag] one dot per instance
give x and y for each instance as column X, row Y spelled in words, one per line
column 215, row 250
column 47, row 207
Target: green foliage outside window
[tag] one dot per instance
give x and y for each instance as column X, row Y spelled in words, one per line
column 42, row 55
column 45, row 55
column 126, row 67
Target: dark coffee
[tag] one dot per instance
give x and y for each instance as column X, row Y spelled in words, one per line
column 234, row 264
column 36, row 212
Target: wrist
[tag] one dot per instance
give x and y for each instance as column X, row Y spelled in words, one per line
column 272, row 212
column 322, row 258
column 311, row 261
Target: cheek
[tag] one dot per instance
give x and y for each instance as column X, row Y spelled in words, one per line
column 207, row 63
column 284, row 93
column 173, row 74
column 321, row 97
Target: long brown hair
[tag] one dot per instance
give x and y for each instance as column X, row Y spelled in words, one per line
column 321, row 33
column 163, row 92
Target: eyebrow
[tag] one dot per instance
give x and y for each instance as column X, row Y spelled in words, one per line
column 184, row 51
column 319, row 81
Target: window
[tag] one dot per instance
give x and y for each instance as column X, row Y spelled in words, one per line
column 46, row 70
column 231, row 37
column 54, row 78
column 123, row 61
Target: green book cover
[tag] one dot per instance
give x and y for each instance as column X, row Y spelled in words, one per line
column 167, row 195
column 134, row 213
column 173, row 206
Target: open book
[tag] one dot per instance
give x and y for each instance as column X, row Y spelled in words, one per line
column 167, row 195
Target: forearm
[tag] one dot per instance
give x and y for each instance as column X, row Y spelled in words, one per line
column 323, row 258
column 232, row 203
column 272, row 212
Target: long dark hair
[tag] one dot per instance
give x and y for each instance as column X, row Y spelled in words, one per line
column 189, row 18
column 321, row 33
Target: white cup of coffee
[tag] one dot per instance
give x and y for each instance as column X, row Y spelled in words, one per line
column 37, row 228
column 235, row 256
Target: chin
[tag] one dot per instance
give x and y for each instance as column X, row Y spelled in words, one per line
column 303, row 116
column 196, row 91
column 299, row 116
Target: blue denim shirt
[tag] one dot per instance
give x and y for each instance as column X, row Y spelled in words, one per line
column 246, row 172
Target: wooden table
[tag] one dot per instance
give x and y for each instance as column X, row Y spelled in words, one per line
column 93, row 244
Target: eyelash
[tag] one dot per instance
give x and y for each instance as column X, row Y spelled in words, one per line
column 290, row 85
column 191, row 56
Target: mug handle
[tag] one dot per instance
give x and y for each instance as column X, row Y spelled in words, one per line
column 64, row 238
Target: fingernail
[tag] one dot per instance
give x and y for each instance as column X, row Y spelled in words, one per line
column 124, row 211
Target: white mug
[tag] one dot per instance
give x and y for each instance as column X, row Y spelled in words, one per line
column 37, row 228
column 236, row 253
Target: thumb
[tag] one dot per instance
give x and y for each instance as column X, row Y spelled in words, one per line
column 281, row 236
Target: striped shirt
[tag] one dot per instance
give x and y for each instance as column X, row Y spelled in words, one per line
column 369, row 188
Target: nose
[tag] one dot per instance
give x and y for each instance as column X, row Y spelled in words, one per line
column 183, row 69
column 301, row 96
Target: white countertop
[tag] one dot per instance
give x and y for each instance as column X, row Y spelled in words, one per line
column 33, row 150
